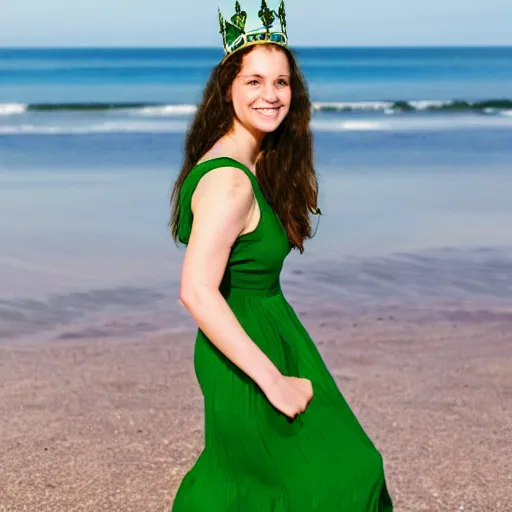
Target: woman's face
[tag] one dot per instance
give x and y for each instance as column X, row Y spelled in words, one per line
column 261, row 92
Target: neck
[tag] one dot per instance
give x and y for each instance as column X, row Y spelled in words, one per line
column 246, row 143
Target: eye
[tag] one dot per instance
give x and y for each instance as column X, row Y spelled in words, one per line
column 252, row 82
column 283, row 82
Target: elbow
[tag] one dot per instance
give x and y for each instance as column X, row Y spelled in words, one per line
column 195, row 293
column 190, row 295
column 186, row 295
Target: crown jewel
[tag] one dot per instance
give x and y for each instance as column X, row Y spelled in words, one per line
column 234, row 36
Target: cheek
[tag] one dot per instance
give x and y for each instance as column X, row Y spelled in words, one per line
column 244, row 99
column 286, row 99
column 251, row 96
column 286, row 96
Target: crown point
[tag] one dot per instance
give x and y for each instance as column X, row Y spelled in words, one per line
column 266, row 15
column 233, row 31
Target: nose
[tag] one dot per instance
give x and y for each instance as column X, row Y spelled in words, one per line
column 269, row 93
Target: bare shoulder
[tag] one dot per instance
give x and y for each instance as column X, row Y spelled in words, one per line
column 224, row 184
column 221, row 204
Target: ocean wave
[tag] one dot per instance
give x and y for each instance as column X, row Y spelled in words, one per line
column 87, row 107
column 486, row 106
column 106, row 127
column 147, row 126
column 342, row 126
column 491, row 106
column 9, row 109
column 410, row 124
column 166, row 111
column 351, row 106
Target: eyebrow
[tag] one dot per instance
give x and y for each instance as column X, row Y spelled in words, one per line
column 260, row 76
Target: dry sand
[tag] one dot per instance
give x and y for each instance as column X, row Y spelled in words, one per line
column 114, row 424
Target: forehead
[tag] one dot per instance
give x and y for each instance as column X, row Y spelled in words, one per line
column 265, row 60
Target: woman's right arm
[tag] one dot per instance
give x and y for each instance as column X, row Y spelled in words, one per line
column 222, row 203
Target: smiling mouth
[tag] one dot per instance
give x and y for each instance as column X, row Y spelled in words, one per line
column 268, row 112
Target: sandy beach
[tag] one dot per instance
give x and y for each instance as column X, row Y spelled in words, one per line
column 113, row 424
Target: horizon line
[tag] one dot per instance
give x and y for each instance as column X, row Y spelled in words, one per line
column 170, row 47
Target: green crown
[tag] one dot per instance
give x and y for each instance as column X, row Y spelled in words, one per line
column 234, row 36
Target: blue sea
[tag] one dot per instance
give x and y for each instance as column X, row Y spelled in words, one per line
column 413, row 149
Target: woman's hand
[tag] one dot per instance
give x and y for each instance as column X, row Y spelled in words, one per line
column 290, row 395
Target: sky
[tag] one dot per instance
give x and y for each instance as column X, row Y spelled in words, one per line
column 61, row 23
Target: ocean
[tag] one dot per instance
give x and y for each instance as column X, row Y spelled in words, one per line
column 413, row 149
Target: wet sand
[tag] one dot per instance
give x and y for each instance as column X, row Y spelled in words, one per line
column 113, row 423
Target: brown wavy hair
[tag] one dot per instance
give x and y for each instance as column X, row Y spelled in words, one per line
column 284, row 167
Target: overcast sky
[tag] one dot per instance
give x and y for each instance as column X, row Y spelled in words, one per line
column 195, row 23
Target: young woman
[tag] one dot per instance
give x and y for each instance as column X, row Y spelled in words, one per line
column 279, row 436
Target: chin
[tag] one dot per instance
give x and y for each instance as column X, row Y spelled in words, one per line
column 267, row 128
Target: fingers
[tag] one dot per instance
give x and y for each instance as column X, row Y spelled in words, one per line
column 303, row 390
column 301, row 410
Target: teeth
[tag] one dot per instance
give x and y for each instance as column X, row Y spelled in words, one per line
column 267, row 110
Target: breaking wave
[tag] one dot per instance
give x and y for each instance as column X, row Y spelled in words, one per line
column 491, row 106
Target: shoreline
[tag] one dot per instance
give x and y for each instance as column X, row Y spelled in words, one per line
column 425, row 284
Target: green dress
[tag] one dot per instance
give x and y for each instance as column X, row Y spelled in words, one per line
column 255, row 458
